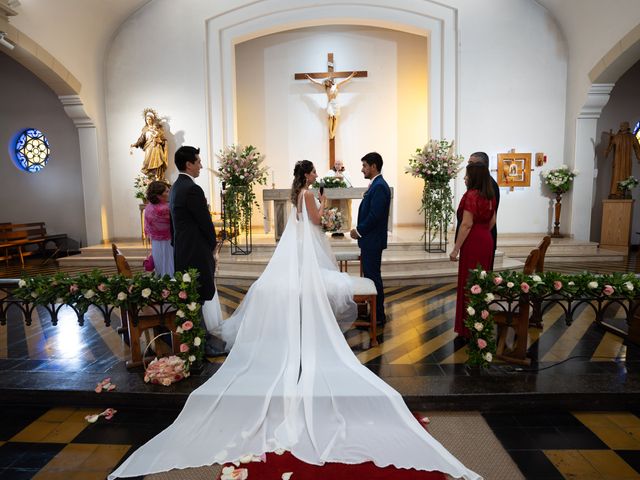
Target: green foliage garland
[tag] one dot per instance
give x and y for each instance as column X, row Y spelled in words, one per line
column 96, row 288
column 485, row 287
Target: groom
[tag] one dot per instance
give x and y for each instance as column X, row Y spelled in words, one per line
column 193, row 235
column 371, row 231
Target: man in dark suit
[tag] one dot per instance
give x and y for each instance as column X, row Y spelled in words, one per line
column 371, row 230
column 483, row 159
column 193, row 235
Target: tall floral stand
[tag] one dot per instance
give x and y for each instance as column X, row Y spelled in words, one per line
column 556, row 225
column 436, row 205
column 237, row 204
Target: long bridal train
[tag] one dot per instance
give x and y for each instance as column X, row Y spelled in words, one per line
column 291, row 382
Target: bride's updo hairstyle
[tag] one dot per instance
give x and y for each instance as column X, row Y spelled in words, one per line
column 299, row 180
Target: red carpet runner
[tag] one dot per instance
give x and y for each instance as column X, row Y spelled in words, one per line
column 276, row 465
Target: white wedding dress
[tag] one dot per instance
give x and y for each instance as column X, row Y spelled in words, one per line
column 291, row 381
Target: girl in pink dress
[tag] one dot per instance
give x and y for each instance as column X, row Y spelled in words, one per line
column 156, row 227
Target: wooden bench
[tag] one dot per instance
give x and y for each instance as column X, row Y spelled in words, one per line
column 139, row 320
column 17, row 236
column 364, row 291
column 344, row 258
column 536, row 312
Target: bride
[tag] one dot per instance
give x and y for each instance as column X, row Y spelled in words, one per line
column 291, row 381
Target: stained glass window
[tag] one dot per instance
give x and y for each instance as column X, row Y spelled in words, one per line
column 636, row 131
column 32, row 150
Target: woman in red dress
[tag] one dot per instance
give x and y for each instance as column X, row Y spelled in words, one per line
column 477, row 214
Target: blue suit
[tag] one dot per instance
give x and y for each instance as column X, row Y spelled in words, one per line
column 373, row 216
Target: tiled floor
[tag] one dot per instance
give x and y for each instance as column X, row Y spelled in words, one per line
column 416, row 344
column 578, row 445
column 57, row 443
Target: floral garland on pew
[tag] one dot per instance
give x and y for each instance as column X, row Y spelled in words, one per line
column 96, row 288
column 483, row 288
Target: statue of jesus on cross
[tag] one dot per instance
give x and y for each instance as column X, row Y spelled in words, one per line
column 328, row 81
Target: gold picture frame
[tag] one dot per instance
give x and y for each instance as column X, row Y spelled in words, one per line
column 514, row 170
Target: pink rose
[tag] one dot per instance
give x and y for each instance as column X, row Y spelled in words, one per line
column 182, row 295
column 484, row 314
column 476, row 289
column 184, row 348
column 525, row 287
column 73, row 288
column 165, row 293
column 557, row 285
column 497, row 280
column 608, row 290
column 102, row 287
column 482, row 344
column 188, row 325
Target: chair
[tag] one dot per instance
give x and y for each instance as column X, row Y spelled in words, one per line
column 516, row 321
column 536, row 313
column 138, row 320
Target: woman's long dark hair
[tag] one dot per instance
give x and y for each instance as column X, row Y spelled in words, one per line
column 480, row 179
column 299, row 180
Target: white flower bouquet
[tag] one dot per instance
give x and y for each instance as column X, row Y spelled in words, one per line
column 559, row 180
column 628, row 184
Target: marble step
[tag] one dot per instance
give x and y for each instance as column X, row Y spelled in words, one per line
column 417, row 276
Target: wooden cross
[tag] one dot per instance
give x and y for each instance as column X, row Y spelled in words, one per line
column 330, row 74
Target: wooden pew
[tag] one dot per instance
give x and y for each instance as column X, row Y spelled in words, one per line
column 536, row 313
column 516, row 322
column 139, row 320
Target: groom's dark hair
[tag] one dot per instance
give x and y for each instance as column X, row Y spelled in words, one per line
column 373, row 158
column 185, row 154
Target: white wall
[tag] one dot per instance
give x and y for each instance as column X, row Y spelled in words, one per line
column 509, row 91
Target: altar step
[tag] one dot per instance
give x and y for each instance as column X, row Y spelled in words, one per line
column 403, row 263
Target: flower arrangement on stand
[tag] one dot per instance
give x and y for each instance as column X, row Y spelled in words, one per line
column 437, row 164
column 108, row 292
column 240, row 170
column 559, row 181
column 626, row 185
column 331, row 220
column 140, row 184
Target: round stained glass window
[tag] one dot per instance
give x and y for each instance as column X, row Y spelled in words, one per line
column 32, row 150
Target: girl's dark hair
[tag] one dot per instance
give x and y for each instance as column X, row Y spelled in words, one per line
column 480, row 179
column 299, row 181
column 154, row 190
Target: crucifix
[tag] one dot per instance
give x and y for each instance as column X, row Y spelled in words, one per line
column 327, row 80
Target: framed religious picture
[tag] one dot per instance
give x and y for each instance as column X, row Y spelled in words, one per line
column 514, row 169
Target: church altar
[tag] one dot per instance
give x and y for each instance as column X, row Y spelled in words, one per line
column 281, row 202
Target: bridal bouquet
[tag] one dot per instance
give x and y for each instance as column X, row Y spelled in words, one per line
column 331, row 220
column 559, row 180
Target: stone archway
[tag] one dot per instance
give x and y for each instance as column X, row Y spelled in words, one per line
column 436, row 21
